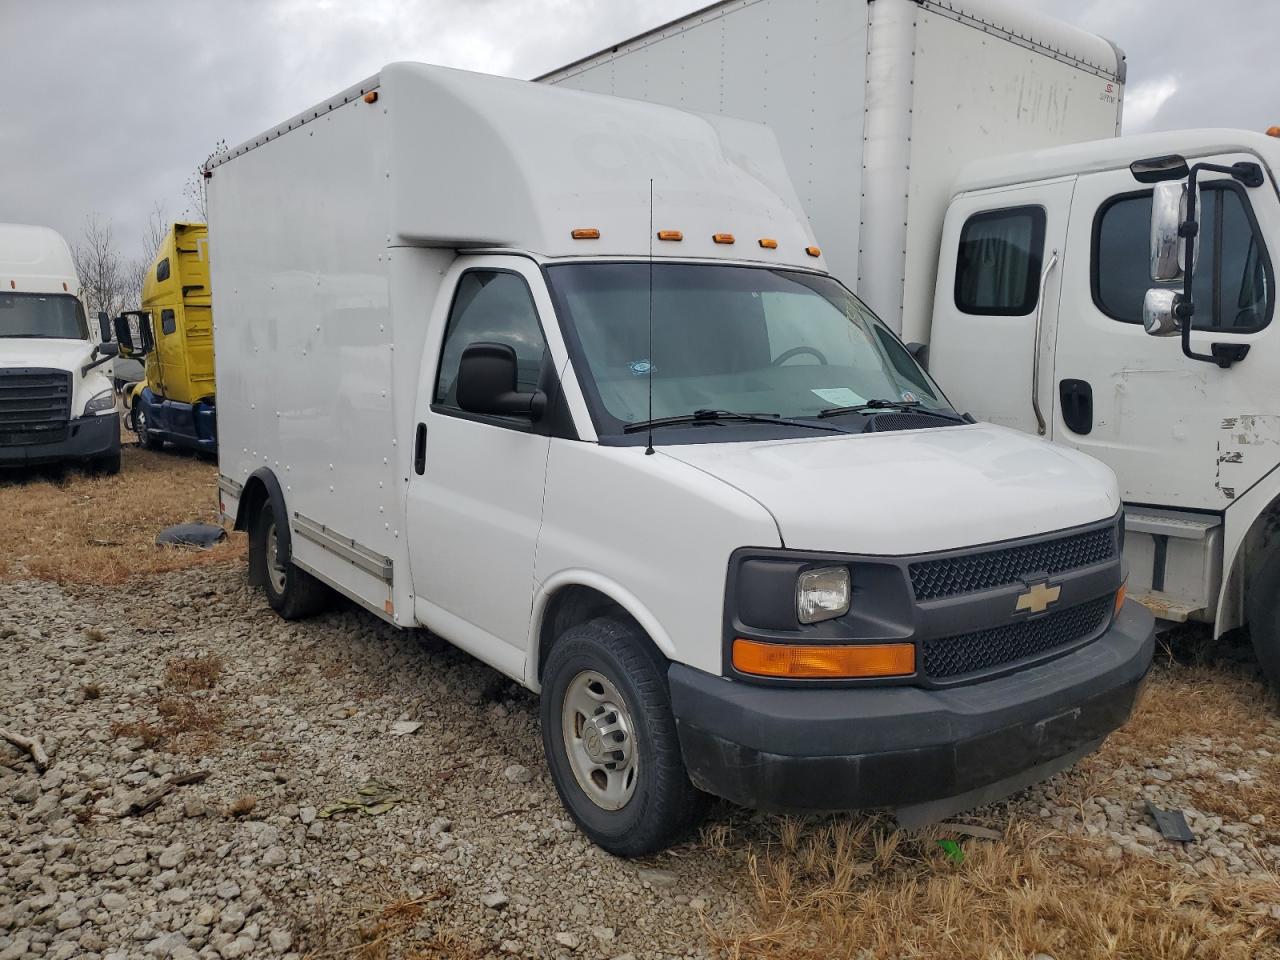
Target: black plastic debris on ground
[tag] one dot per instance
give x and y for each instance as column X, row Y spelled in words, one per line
column 1173, row 825
column 202, row 536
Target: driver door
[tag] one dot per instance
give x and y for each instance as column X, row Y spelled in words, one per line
column 476, row 492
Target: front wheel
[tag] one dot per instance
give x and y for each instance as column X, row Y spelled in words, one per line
column 143, row 429
column 611, row 743
column 1264, row 617
column 292, row 592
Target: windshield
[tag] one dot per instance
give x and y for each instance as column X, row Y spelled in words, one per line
column 729, row 338
column 47, row 315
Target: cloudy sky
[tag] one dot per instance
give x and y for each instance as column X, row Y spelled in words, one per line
column 109, row 105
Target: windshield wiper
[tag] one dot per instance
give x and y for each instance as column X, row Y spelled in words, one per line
column 721, row 416
column 912, row 406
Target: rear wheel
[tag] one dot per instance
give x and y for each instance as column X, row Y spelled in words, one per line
column 611, row 742
column 1264, row 617
column 292, row 592
column 143, row 429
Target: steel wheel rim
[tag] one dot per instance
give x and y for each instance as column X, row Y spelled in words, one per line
column 275, row 566
column 599, row 740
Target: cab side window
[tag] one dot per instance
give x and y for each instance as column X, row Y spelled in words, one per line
column 1233, row 285
column 998, row 270
column 491, row 306
column 168, row 324
column 162, row 270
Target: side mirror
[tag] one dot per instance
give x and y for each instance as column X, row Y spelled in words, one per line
column 104, row 326
column 1168, row 212
column 487, row 383
column 132, row 345
column 107, row 349
column 919, row 352
column 1158, row 313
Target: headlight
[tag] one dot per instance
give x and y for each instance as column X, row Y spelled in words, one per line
column 822, row 594
column 103, row 402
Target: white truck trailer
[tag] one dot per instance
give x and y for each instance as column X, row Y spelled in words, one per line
column 563, row 378
column 56, row 401
column 960, row 162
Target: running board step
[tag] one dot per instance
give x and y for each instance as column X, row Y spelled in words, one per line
column 1167, row 608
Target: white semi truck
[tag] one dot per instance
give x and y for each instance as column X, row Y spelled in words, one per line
column 564, row 379
column 960, row 162
column 56, row 398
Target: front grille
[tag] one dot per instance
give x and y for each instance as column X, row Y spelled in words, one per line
column 948, row 657
column 1000, row 567
column 885, row 422
column 35, row 405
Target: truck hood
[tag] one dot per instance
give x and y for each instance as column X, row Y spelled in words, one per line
column 44, row 352
column 912, row 492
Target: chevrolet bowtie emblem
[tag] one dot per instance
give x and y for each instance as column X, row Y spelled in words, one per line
column 1038, row 598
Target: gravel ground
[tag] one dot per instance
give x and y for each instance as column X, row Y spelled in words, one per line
column 470, row 853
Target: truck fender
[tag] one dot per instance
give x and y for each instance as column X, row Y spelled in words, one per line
column 1250, row 526
column 602, row 585
column 262, row 485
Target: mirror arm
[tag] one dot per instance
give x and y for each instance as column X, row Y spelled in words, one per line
column 1222, row 354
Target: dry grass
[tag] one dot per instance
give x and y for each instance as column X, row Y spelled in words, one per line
column 150, row 734
column 70, row 527
column 193, row 673
column 859, row 889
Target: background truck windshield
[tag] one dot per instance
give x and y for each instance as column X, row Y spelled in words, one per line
column 51, row 316
column 740, row 339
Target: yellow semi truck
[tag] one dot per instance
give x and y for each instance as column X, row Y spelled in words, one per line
column 172, row 334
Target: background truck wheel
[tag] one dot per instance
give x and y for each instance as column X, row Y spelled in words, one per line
column 1264, row 617
column 292, row 592
column 140, row 427
column 108, row 465
column 611, row 743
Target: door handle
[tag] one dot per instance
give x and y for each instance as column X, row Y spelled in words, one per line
column 420, row 450
column 1076, row 405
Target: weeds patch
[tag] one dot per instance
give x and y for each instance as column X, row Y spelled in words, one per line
column 193, row 673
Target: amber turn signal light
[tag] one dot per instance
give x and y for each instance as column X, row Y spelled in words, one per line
column 586, row 233
column 724, row 238
column 790, row 661
column 1120, row 595
column 674, row 235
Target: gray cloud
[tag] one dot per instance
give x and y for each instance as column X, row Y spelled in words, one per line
column 109, row 106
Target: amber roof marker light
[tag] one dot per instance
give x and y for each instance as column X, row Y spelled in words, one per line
column 675, row 236
column 768, row 244
column 813, row 251
column 725, row 238
column 586, row 233
column 371, row 96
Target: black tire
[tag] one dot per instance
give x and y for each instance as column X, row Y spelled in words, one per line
column 108, row 465
column 139, row 422
column 1264, row 617
column 292, row 592
column 664, row 805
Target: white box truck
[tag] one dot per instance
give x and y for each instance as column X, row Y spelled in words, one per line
column 56, row 400
column 563, row 378
column 1025, row 272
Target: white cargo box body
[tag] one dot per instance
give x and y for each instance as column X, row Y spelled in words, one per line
column 877, row 104
column 334, row 232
